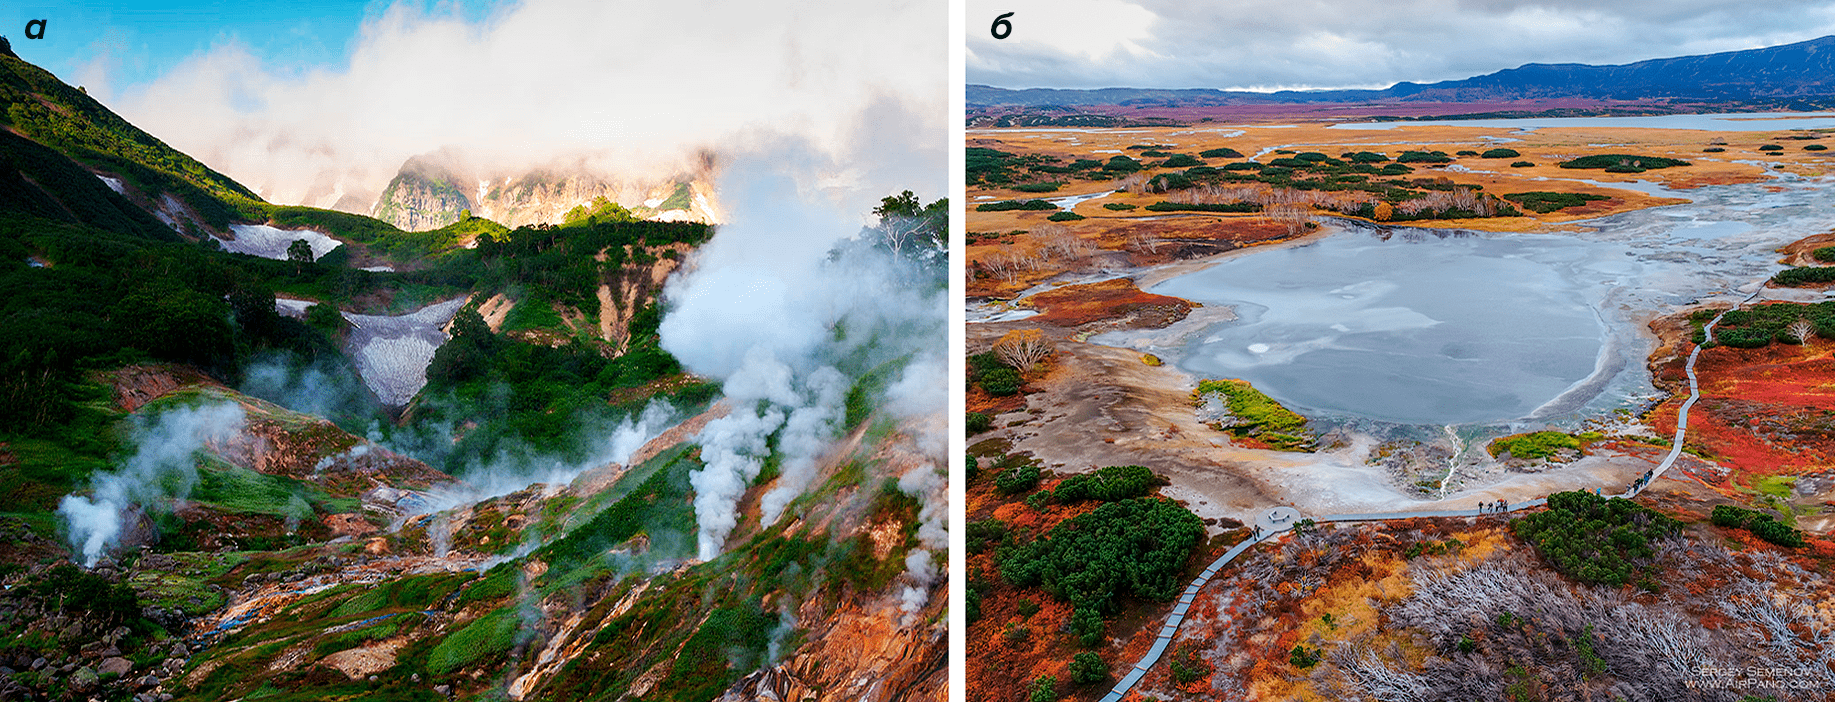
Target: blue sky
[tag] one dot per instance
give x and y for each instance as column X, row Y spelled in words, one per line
column 321, row 104
column 127, row 45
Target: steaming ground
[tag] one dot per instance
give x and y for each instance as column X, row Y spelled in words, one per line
column 771, row 308
column 162, row 468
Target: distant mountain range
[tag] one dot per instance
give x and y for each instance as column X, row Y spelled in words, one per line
column 1778, row 75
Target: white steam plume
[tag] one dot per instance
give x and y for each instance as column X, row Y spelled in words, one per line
column 607, row 87
column 806, row 433
column 927, row 484
column 512, row 470
column 772, row 306
column 163, row 466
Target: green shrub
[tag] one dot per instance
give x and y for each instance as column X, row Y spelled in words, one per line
column 1623, row 161
column 1019, row 478
column 978, row 422
column 984, row 534
column 1771, row 147
column 1087, row 668
column 1001, row 381
column 1500, row 153
column 1107, row 484
column 1224, row 152
column 1545, row 202
column 1793, row 277
column 1134, row 547
column 1122, row 164
column 1596, row 540
column 1522, row 164
column 1005, row 205
column 1815, row 147
column 1117, row 206
column 1758, row 523
column 1300, row 657
column 1065, row 216
column 1043, row 688
column 1423, row 157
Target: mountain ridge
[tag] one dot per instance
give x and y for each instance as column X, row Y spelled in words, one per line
column 1799, row 70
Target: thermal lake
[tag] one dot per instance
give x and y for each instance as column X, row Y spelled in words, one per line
column 1428, row 326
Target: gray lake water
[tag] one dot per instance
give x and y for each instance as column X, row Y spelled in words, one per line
column 1426, row 326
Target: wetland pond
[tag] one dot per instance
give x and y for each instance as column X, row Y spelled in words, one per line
column 1420, row 326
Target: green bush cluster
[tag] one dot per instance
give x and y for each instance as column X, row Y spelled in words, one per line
column 1107, row 484
column 1122, row 164
column 1623, row 163
column 1759, row 523
column 1087, row 667
column 1500, row 152
column 1019, row 477
column 1065, row 216
column 1796, row 277
column 1423, row 157
column 76, row 591
column 1596, row 540
column 978, row 422
column 1545, row 202
column 1223, row 152
column 986, row 534
column 993, row 375
column 1760, row 325
column 1007, row 205
column 1136, row 547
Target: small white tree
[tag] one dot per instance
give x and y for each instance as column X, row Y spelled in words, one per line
column 1021, row 348
column 1801, row 330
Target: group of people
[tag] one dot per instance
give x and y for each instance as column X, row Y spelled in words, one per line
column 1497, row 507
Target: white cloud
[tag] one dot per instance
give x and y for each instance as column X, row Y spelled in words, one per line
column 620, row 87
column 1357, row 43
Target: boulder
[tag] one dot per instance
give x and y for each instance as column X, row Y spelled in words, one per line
column 116, row 665
column 84, row 679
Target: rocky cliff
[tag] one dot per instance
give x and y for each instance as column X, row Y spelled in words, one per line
column 429, row 193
